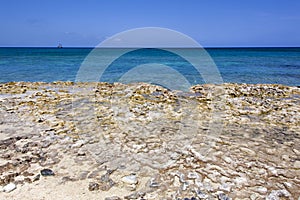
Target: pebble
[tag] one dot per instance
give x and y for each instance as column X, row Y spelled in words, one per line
column 36, row 178
column 93, row 186
column 222, row 196
column 113, row 198
column 287, row 184
column 273, row 171
column 201, row 195
column 78, row 144
column 227, row 159
column 81, row 153
column 192, row 175
column 47, row 172
column 254, row 196
column 297, row 164
column 225, row 187
column 130, row 179
column 248, row 151
column 9, row 187
column 153, row 183
column 261, row 190
column 135, row 195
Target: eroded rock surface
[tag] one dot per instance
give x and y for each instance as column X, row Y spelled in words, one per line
column 225, row 141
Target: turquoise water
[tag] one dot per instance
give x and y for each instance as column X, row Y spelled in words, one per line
column 236, row 65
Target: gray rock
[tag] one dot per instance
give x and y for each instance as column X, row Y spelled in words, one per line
column 276, row 194
column 135, row 195
column 222, row 196
column 112, row 198
column 93, row 186
column 153, row 183
column 47, row 172
column 201, row 195
column 36, row 178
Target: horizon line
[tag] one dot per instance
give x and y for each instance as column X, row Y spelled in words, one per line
column 91, row 47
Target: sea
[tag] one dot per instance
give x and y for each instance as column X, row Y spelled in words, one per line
column 235, row 65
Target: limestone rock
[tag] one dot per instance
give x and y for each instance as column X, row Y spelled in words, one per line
column 9, row 187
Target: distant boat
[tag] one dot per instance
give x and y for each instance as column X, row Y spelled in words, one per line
column 59, row 46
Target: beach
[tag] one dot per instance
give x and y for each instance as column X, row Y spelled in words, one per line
column 66, row 140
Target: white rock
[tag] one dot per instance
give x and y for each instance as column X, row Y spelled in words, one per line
column 262, row 171
column 276, row 194
column 9, row 187
column 261, row 190
column 248, row 151
column 241, row 180
column 227, row 159
column 254, row 196
column 287, row 184
column 273, row 171
column 225, row 186
column 78, row 144
column 193, row 175
column 130, row 179
column 297, row 164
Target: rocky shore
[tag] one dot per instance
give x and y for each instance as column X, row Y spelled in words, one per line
column 67, row 140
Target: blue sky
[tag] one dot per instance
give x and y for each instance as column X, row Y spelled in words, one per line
column 218, row 23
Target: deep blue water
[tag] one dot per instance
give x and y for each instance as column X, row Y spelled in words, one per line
column 236, row 65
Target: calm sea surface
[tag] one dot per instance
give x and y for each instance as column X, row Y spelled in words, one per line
column 236, row 65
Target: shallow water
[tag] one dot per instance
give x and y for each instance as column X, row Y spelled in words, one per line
column 236, row 65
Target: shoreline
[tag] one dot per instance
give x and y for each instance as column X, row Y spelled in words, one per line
column 237, row 141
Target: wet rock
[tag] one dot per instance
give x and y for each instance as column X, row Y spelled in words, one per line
column 93, row 186
column 47, row 172
column 9, row 187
